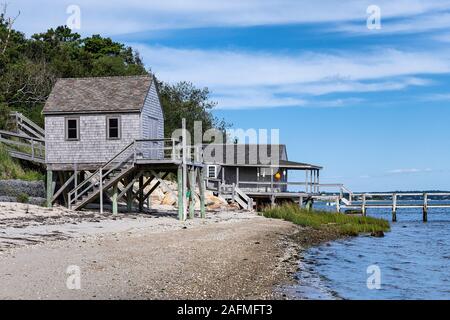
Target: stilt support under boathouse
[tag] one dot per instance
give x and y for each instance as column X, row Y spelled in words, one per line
column 127, row 179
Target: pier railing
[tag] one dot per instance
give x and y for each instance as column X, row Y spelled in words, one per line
column 400, row 200
column 283, row 186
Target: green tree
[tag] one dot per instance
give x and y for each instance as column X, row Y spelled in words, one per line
column 184, row 100
column 30, row 67
column 4, row 114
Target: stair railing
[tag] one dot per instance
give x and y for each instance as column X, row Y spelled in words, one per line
column 26, row 126
column 102, row 172
column 22, row 144
column 350, row 195
column 247, row 200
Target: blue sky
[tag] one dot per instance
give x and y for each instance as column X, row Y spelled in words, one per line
column 371, row 106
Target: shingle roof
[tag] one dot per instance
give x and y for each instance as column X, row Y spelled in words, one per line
column 243, row 154
column 102, row 94
column 239, row 155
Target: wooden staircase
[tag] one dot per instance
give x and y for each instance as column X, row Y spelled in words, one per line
column 244, row 201
column 26, row 141
column 235, row 194
column 120, row 166
column 345, row 201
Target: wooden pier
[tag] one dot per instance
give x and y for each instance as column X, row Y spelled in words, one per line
column 400, row 200
column 334, row 194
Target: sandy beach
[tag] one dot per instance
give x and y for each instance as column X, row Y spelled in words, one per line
column 228, row 255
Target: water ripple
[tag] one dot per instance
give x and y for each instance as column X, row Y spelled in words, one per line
column 413, row 260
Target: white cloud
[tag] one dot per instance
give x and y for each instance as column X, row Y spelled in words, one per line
column 409, row 171
column 443, row 37
column 423, row 23
column 343, row 86
column 119, row 17
column 229, row 68
column 260, row 79
column 437, row 97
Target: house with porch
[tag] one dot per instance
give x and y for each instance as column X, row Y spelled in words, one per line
column 257, row 173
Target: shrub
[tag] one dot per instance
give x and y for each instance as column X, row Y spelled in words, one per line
column 23, row 198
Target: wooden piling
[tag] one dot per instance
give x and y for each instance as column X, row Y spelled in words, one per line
column 192, row 193
column 101, row 191
column 129, row 196
column 425, row 207
column 114, row 199
column 180, row 192
column 184, row 168
column 363, row 207
column 394, row 207
column 49, row 188
column 141, row 194
column 75, row 183
column 202, row 187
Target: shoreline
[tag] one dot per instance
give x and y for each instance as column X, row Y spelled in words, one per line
column 229, row 255
column 303, row 239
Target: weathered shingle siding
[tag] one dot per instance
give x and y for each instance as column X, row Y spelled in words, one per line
column 152, row 113
column 152, row 110
column 93, row 146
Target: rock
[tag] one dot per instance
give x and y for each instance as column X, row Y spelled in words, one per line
column 31, row 200
column 158, row 194
column 377, row 234
column 214, row 203
column 169, row 199
column 14, row 188
column 234, row 205
column 211, row 199
column 157, row 197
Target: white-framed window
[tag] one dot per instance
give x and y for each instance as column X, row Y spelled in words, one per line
column 113, row 128
column 212, row 172
column 72, row 129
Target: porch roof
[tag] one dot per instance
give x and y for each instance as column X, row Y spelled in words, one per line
column 291, row 165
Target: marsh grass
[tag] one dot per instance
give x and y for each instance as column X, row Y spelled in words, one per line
column 343, row 224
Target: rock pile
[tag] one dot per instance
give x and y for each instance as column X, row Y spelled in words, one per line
column 167, row 195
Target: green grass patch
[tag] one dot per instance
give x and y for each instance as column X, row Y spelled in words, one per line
column 11, row 169
column 343, row 224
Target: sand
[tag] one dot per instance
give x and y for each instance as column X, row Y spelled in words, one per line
column 228, row 255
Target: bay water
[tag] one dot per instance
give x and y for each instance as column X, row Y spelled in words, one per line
column 412, row 261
